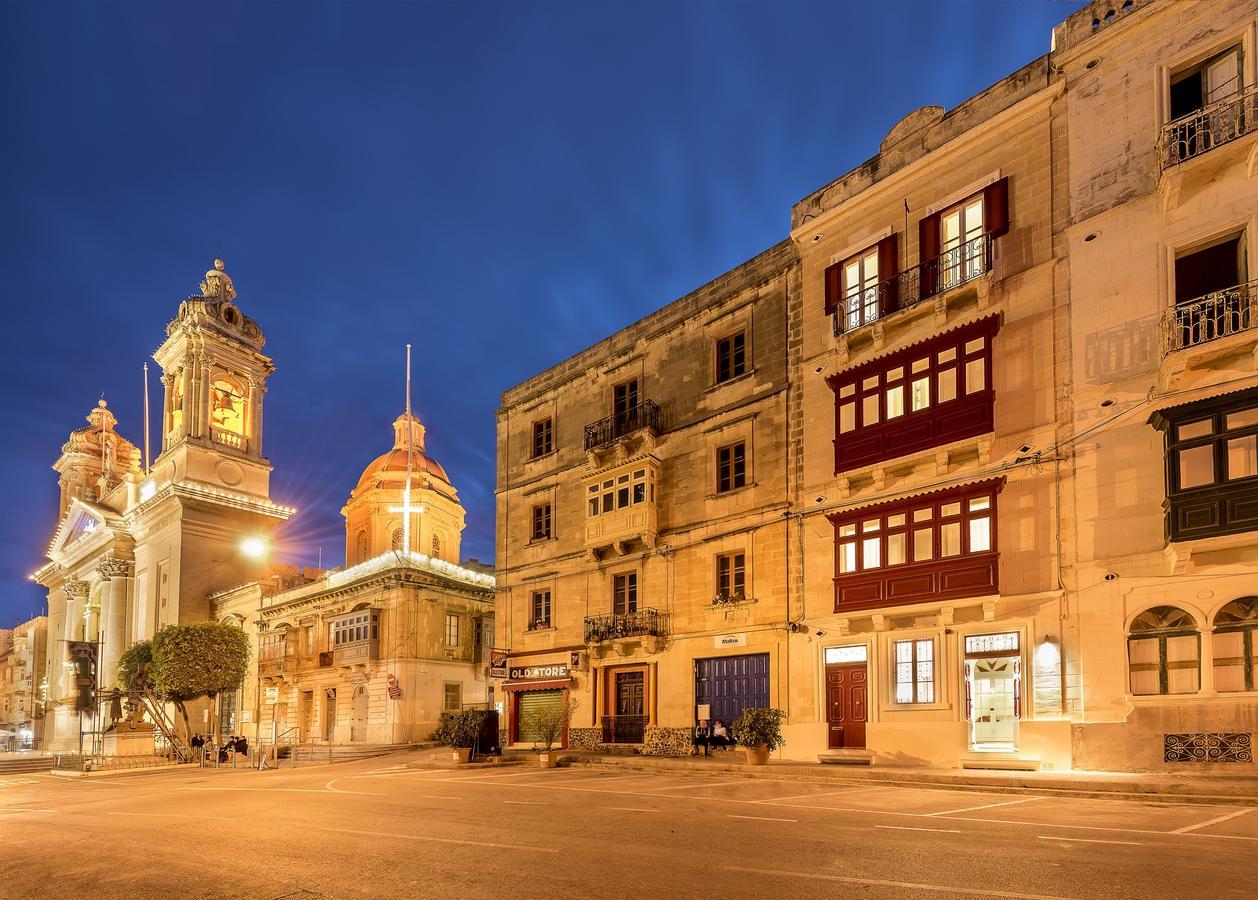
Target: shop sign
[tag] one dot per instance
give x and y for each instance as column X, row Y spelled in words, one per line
column 730, row 640
column 394, row 690
column 272, row 696
column 246, row 716
column 497, row 663
column 539, row 673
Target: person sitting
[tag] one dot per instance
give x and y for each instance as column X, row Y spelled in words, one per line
column 701, row 737
column 720, row 736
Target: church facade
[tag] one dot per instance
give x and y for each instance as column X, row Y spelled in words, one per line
column 184, row 540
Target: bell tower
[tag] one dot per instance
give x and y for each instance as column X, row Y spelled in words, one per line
column 214, row 377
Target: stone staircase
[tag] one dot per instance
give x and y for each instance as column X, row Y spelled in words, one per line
column 25, row 765
column 311, row 754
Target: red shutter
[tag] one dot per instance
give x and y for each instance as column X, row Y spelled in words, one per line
column 996, row 207
column 888, row 269
column 927, row 251
column 834, row 287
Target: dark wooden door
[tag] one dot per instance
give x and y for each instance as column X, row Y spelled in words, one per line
column 630, row 694
column 847, row 703
column 728, row 684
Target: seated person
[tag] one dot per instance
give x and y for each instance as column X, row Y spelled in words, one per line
column 701, row 737
column 720, row 736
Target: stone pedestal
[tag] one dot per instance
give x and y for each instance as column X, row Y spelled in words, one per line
column 129, row 741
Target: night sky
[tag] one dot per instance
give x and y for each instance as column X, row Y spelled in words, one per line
column 501, row 184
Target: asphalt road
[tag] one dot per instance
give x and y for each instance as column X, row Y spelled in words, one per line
column 375, row 828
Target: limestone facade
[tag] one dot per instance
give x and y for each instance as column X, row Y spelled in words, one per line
column 1015, row 427
column 22, row 664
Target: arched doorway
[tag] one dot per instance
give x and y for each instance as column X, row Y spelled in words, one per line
column 358, row 724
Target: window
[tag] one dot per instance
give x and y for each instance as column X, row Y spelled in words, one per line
column 625, row 593
column 356, row 628
column 863, row 287
column 731, row 581
column 929, row 547
column 625, row 402
column 227, row 408
column 395, row 539
column 1163, row 652
column 1209, row 106
column 955, row 245
column 915, row 671
column 1234, row 639
column 619, row 492
column 452, row 630
column 539, row 610
column 1211, row 297
column 541, row 522
column 452, row 697
column 731, row 357
column 436, row 546
column 360, row 545
column 543, row 438
column 1212, row 465
column 931, row 393
column 731, row 467
column 309, row 640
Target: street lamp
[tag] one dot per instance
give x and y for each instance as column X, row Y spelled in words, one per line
column 254, row 547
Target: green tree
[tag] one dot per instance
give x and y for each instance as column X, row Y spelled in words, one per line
column 201, row 659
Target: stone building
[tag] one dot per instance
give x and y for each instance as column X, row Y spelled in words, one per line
column 375, row 652
column 1017, row 431
column 136, row 551
column 641, row 539
column 22, row 664
column 1161, row 239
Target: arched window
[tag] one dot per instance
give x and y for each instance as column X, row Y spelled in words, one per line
column 395, row 540
column 436, row 546
column 1164, row 652
column 360, row 545
column 1235, row 654
column 227, row 405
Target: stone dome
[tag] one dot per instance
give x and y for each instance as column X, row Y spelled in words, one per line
column 390, row 467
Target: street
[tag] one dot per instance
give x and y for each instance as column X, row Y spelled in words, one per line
column 375, row 828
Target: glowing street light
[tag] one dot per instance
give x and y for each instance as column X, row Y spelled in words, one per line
column 254, row 547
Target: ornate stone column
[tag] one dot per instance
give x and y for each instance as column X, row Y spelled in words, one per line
column 116, row 573
column 204, row 409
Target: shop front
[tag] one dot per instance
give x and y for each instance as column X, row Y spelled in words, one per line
column 538, row 699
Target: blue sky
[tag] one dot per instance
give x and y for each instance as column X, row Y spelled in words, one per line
column 501, row 184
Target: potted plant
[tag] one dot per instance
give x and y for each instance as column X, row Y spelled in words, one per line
column 759, row 731
column 548, row 723
column 459, row 732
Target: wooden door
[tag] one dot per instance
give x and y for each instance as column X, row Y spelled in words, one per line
column 358, row 724
column 847, row 704
column 329, row 715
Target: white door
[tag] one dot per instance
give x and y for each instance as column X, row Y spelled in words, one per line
column 358, row 725
column 993, row 686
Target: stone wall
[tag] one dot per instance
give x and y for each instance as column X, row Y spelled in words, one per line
column 585, row 739
column 666, row 742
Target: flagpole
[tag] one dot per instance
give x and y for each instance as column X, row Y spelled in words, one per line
column 410, row 442
column 146, row 418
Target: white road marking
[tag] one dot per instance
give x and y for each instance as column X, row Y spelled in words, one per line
column 631, row 808
column 1232, row 815
column 2, row 811
column 1075, row 840
column 9, row 782
column 526, row 802
column 880, row 882
column 819, row 794
column 953, row 812
column 761, row 818
column 440, row 840
column 437, row 797
column 172, row 816
column 915, row 828
column 678, row 787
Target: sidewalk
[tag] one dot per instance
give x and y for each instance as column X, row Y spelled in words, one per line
column 1147, row 786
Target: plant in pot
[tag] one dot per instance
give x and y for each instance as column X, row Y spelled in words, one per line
column 759, row 731
column 459, row 732
column 547, row 724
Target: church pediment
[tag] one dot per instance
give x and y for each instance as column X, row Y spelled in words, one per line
column 82, row 526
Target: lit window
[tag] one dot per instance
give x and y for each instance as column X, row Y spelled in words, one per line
column 1235, row 642
column 1163, row 652
column 452, row 630
column 452, row 697
column 915, row 671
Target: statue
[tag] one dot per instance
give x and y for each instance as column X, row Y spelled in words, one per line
column 218, row 284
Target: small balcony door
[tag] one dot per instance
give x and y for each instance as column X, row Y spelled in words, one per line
column 625, row 405
column 961, row 243
column 625, row 593
column 860, row 290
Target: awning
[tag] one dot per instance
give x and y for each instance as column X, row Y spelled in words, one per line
column 548, row 684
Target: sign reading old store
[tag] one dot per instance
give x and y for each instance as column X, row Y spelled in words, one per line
column 539, row 673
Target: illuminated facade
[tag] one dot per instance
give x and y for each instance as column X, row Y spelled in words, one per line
column 373, row 653
column 22, row 669
column 137, row 551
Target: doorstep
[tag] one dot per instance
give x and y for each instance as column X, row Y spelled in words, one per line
column 847, row 756
column 1000, row 761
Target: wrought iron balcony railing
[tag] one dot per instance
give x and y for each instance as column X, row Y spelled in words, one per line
column 639, row 623
column 1209, row 127
column 950, row 269
column 1218, row 315
column 620, row 424
column 624, row 729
